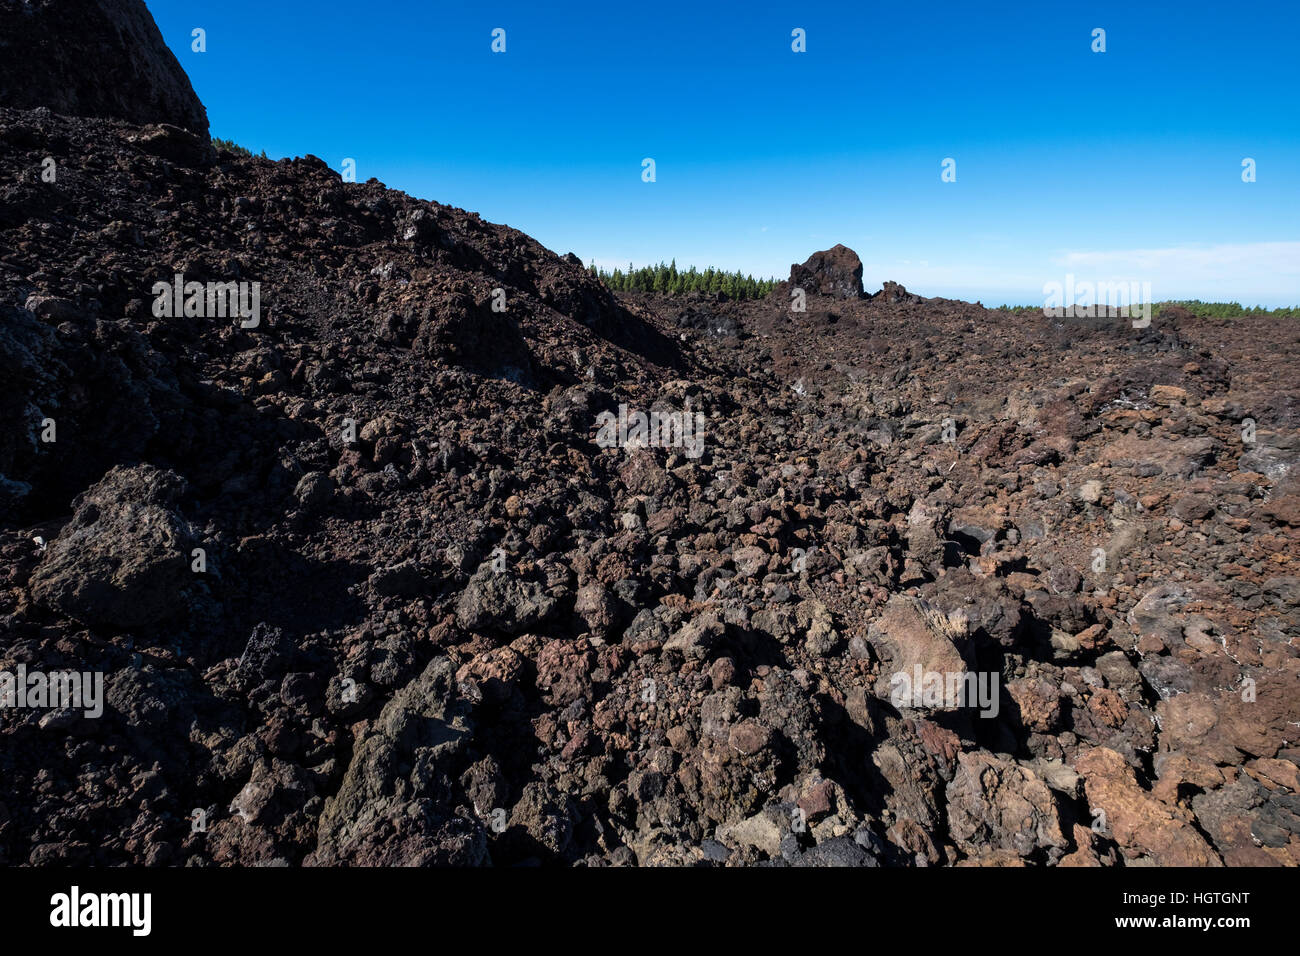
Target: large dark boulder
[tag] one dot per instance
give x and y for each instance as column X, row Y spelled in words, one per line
column 835, row 272
column 123, row 561
column 102, row 58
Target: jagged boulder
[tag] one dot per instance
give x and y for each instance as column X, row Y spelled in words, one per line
column 124, row 559
column 912, row 637
column 993, row 801
column 894, row 293
column 834, row 272
column 102, row 58
column 390, row 808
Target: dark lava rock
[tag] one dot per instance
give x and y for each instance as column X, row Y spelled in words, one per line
column 500, row 601
column 834, row 272
column 456, row 629
column 894, row 293
column 123, row 561
column 101, row 58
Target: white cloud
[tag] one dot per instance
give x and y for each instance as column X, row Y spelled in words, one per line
column 1247, row 272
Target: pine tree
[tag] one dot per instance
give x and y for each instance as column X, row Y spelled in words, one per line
column 667, row 279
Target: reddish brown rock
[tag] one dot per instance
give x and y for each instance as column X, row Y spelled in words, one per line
column 1138, row 822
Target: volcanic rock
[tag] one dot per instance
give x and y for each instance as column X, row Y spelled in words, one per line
column 101, row 58
column 439, row 623
column 123, row 561
column 834, row 272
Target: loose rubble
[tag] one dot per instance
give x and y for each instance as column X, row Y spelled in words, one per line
column 366, row 590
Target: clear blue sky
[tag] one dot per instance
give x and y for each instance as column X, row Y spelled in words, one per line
column 1117, row 165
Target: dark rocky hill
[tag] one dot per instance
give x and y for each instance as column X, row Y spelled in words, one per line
column 364, row 537
column 101, row 58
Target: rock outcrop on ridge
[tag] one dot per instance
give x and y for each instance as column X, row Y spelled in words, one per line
column 102, row 58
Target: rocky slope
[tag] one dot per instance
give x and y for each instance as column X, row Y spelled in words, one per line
column 436, row 617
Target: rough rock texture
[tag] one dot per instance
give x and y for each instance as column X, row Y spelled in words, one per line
column 440, row 623
column 1138, row 821
column 835, row 272
column 123, row 561
column 101, row 58
column 388, row 809
column 911, row 634
column 995, row 805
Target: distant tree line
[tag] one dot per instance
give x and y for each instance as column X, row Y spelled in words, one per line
column 667, row 279
column 1213, row 310
column 1227, row 310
